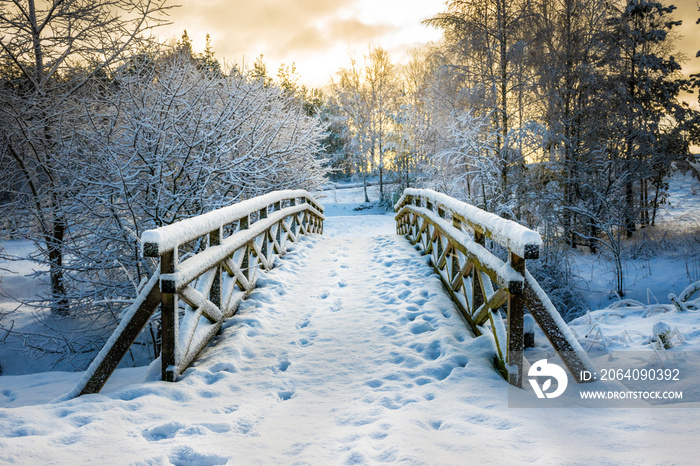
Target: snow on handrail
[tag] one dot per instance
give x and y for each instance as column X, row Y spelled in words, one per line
column 521, row 240
column 196, row 265
column 169, row 237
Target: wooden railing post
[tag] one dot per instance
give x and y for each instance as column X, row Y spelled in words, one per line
column 515, row 327
column 278, row 233
column 477, row 292
column 455, row 259
column 262, row 215
column 168, row 319
column 243, row 224
column 215, row 292
column 440, row 247
column 293, row 226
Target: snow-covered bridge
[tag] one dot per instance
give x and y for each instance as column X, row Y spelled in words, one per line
column 348, row 351
column 225, row 249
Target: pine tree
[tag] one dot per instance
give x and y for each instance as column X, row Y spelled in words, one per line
column 644, row 92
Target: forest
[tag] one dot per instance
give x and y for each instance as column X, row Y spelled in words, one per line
column 564, row 115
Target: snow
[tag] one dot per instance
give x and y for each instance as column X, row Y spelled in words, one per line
column 651, row 275
column 682, row 208
column 348, row 352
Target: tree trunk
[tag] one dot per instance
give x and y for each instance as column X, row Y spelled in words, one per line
column 630, row 221
column 54, row 242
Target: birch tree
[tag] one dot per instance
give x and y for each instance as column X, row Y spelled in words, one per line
column 486, row 39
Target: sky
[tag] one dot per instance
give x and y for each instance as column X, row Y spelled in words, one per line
column 319, row 36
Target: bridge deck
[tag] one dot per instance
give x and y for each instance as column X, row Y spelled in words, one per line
column 347, row 332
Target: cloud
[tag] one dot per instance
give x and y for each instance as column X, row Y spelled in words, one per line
column 316, row 35
column 336, row 31
column 275, row 28
column 353, row 30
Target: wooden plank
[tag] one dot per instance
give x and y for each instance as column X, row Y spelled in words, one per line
column 117, row 346
column 573, row 358
column 257, row 251
column 463, row 311
column 442, row 261
column 198, row 301
column 497, row 300
column 276, row 238
column 156, row 242
column 215, row 290
column 458, row 281
column 201, row 339
column 235, row 271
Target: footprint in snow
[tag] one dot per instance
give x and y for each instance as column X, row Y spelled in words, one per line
column 162, row 432
column 337, row 306
column 304, row 342
column 223, row 367
column 436, row 424
column 397, row 402
column 421, row 327
column 374, row 383
column 187, row 455
column 9, row 394
column 303, row 323
column 212, row 378
column 283, row 366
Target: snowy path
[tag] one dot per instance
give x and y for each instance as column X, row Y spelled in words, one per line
column 349, row 353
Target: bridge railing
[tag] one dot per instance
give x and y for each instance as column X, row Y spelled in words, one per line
column 227, row 247
column 454, row 234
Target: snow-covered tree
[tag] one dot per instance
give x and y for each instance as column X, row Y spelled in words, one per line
column 370, row 98
column 484, row 40
column 644, row 99
column 49, row 51
column 176, row 140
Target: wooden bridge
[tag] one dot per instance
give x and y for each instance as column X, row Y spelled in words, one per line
column 223, row 252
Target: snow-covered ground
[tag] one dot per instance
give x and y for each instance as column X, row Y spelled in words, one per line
column 657, row 261
column 349, row 352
